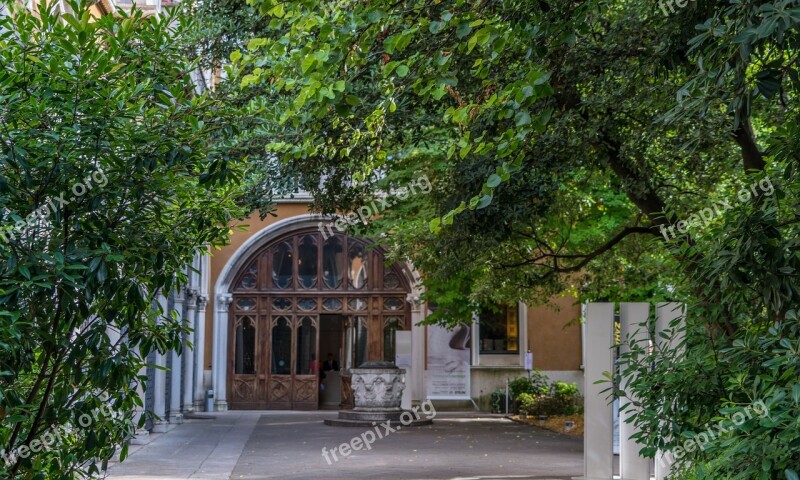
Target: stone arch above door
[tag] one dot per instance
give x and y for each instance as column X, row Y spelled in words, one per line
column 245, row 273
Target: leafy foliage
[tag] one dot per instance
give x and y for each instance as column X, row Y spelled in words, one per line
column 106, row 103
column 563, row 139
column 536, row 384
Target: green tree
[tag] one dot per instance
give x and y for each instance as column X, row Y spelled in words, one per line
column 109, row 185
column 569, row 144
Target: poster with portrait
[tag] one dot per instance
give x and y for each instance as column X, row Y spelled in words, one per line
column 448, row 357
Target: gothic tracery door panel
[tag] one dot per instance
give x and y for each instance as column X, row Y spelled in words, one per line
column 279, row 295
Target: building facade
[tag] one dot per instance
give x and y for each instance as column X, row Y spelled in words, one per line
column 284, row 300
column 280, row 315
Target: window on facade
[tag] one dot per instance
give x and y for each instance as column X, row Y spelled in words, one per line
column 307, row 347
column 281, row 363
column 360, row 341
column 245, row 350
column 333, row 262
column 282, row 265
column 392, row 325
column 499, row 329
column 357, row 273
column 307, row 262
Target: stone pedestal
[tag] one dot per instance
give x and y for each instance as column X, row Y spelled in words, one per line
column 377, row 393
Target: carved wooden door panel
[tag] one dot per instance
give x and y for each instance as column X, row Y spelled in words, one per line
column 245, row 352
column 279, row 385
column 305, row 389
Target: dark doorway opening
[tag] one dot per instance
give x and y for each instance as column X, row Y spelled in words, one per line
column 332, row 356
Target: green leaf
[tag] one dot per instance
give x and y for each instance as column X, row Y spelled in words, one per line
column 522, row 118
column 307, row 63
column 494, row 180
column 484, row 202
column 402, row 71
column 464, row 28
column 435, row 225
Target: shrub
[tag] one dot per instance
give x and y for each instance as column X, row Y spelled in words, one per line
column 536, row 384
column 527, row 403
column 561, row 389
column 498, row 400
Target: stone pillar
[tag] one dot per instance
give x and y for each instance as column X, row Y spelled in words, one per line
column 175, row 416
column 598, row 437
column 668, row 315
column 633, row 331
column 160, row 424
column 189, row 351
column 141, row 436
column 417, row 373
column 220, row 352
column 199, row 350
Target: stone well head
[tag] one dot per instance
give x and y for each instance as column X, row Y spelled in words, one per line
column 378, row 386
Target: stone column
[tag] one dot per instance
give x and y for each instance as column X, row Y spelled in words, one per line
column 666, row 314
column 199, row 351
column 140, row 436
column 189, row 351
column 220, row 352
column 175, row 416
column 633, row 331
column 160, row 424
column 417, row 373
column 598, row 437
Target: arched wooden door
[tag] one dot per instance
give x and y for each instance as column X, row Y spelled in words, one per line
column 275, row 316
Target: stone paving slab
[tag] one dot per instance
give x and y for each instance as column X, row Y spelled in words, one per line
column 288, row 445
column 454, row 447
column 198, row 449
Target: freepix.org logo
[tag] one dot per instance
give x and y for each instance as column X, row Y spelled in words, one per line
column 52, row 205
column 368, row 437
column 364, row 213
column 707, row 214
column 52, row 437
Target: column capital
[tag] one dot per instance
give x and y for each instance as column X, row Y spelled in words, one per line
column 415, row 301
column 191, row 297
column 223, row 301
column 202, row 301
column 180, row 295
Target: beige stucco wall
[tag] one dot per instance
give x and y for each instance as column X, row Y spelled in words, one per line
column 555, row 345
column 220, row 257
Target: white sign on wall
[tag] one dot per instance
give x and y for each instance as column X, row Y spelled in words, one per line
column 402, row 358
column 448, row 363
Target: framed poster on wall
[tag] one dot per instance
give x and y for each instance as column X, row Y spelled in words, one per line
column 448, row 363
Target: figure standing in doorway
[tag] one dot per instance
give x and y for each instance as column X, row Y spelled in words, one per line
column 330, row 364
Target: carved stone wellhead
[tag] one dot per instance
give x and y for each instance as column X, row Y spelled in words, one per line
column 377, row 395
column 378, row 386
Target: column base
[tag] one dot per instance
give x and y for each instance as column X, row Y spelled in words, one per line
column 188, row 408
column 162, row 427
column 175, row 418
column 221, row 406
column 141, row 437
column 199, row 407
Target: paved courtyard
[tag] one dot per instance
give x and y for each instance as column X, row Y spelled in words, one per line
column 288, row 445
